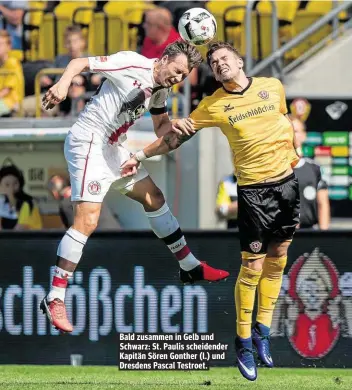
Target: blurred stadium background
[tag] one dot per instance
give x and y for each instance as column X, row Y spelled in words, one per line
column 308, row 45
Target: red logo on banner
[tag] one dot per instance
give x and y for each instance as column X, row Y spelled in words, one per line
column 314, row 305
column 322, row 151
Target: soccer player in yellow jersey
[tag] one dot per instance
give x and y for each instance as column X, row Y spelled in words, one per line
column 252, row 114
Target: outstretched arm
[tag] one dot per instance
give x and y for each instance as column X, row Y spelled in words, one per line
column 58, row 92
column 162, row 145
column 166, row 144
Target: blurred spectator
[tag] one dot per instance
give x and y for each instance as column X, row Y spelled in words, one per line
column 314, row 197
column 60, row 189
column 17, row 209
column 159, row 32
column 75, row 44
column 178, row 8
column 11, row 20
column 76, row 97
column 226, row 201
column 11, row 86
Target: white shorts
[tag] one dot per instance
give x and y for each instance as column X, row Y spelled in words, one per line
column 94, row 166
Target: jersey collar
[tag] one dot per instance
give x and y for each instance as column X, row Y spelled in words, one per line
column 250, row 79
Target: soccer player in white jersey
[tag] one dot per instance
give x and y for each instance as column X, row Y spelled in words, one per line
column 94, row 153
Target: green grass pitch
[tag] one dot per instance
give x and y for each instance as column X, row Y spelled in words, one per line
column 94, row 378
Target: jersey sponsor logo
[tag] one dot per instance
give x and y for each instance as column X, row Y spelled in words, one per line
column 314, row 307
column 135, row 103
column 228, row 107
column 255, row 246
column 263, row 95
column 250, row 113
column 94, row 187
column 300, row 108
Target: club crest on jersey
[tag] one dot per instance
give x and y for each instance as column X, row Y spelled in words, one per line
column 255, row 246
column 94, row 187
column 228, row 107
column 263, row 95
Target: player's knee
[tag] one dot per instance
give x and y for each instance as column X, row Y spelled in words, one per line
column 156, row 201
column 253, row 261
column 87, row 223
column 276, row 264
column 278, row 249
column 254, row 265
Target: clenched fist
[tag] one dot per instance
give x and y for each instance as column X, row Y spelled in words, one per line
column 56, row 94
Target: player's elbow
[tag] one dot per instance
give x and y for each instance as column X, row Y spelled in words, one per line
column 79, row 64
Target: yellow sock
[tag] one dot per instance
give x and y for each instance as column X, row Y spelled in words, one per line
column 269, row 288
column 246, row 285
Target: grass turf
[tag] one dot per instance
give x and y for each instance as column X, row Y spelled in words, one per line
column 94, row 378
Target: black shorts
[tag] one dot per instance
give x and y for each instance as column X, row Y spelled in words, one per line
column 267, row 212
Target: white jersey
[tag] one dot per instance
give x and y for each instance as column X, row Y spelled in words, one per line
column 128, row 91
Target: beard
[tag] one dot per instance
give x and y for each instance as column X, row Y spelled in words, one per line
column 225, row 78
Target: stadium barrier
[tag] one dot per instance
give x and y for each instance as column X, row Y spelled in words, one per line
column 127, row 282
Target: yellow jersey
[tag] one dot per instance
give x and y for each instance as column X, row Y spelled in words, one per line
column 13, row 81
column 254, row 122
column 30, row 218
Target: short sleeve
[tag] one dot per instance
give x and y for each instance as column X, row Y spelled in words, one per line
column 24, row 215
column 283, row 106
column 36, row 219
column 30, row 218
column 159, row 102
column 109, row 66
column 222, row 197
column 202, row 117
column 322, row 184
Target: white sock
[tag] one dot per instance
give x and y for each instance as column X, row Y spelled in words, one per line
column 166, row 227
column 70, row 248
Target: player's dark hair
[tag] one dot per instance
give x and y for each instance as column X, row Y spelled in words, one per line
column 213, row 47
column 20, row 196
column 191, row 52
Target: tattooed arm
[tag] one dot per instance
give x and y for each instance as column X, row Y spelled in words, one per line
column 162, row 145
column 166, row 144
